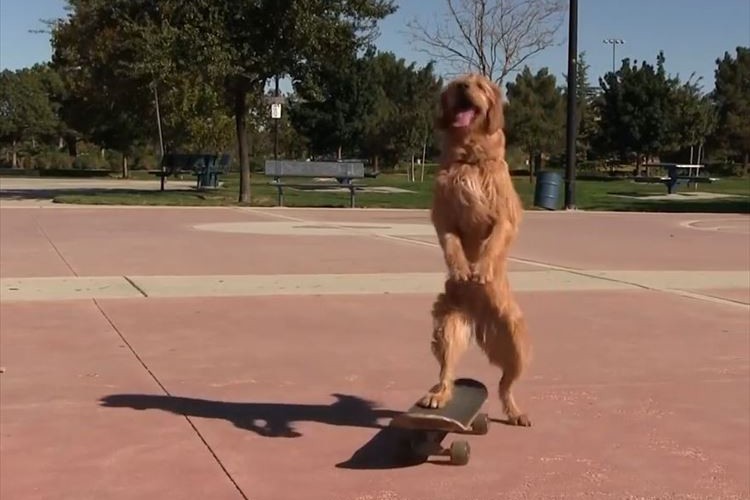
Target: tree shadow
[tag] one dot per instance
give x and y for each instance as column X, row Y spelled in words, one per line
column 733, row 204
column 265, row 419
column 633, row 194
column 52, row 193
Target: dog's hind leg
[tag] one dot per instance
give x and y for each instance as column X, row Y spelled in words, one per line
column 450, row 338
column 504, row 343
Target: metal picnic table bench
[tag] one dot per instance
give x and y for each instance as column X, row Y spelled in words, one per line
column 674, row 178
column 205, row 166
column 344, row 172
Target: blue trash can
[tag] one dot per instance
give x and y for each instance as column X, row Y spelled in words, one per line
column 547, row 190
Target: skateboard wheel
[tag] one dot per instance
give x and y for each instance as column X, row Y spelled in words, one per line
column 481, row 424
column 460, row 452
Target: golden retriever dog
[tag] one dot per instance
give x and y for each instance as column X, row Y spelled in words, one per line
column 476, row 213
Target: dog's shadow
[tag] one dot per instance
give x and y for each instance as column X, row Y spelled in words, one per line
column 265, row 419
column 276, row 420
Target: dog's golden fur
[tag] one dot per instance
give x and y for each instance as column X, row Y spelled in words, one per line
column 476, row 213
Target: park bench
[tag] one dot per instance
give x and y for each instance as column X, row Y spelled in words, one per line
column 344, row 173
column 674, row 177
column 208, row 173
column 205, row 166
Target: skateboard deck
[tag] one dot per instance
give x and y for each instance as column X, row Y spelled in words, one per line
column 456, row 416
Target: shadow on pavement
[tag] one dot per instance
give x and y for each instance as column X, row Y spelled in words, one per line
column 277, row 419
column 265, row 419
column 383, row 451
column 729, row 205
column 51, row 194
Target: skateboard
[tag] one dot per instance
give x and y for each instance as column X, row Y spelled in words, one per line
column 427, row 427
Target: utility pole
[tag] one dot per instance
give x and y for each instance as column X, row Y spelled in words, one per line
column 570, row 166
column 615, row 42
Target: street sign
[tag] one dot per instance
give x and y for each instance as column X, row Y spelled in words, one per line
column 276, row 111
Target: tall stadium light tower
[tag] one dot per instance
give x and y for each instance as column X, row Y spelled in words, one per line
column 614, row 42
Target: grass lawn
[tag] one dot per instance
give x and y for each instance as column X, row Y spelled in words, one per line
column 615, row 195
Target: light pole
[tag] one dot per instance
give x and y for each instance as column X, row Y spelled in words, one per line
column 570, row 164
column 614, row 42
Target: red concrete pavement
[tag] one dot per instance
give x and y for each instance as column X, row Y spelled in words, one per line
column 55, row 439
column 621, row 409
column 633, row 394
column 86, row 242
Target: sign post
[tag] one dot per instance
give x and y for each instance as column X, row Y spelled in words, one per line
column 276, row 116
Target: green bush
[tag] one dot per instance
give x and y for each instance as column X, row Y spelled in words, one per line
column 89, row 162
column 51, row 159
column 725, row 169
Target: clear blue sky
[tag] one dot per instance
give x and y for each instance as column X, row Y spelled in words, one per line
column 692, row 33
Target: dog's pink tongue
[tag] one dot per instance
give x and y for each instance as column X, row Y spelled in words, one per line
column 463, row 118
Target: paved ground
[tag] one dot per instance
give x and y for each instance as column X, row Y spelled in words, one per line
column 242, row 353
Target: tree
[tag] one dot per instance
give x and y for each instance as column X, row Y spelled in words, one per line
column 493, row 37
column 231, row 46
column 100, row 59
column 586, row 116
column 333, row 105
column 27, row 111
column 193, row 115
column 401, row 118
column 535, row 115
column 732, row 97
column 243, row 44
column 423, row 92
column 375, row 105
column 637, row 110
column 694, row 118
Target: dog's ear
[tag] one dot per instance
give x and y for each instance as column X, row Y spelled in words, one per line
column 494, row 119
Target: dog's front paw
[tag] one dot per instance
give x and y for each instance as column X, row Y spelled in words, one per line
column 461, row 273
column 435, row 399
column 481, row 273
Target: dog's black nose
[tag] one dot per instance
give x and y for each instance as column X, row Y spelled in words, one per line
column 463, row 85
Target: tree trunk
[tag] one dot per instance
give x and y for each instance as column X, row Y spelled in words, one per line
column 413, row 170
column 538, row 162
column 746, row 162
column 638, row 164
column 531, row 167
column 240, row 113
column 125, row 173
column 72, row 144
column 14, row 163
column 376, row 164
column 338, row 153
